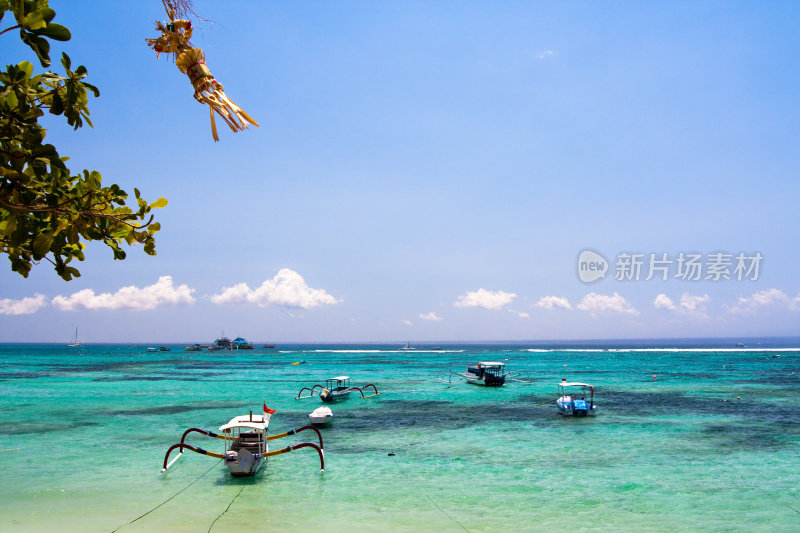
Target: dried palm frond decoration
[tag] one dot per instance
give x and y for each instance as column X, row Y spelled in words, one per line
column 175, row 39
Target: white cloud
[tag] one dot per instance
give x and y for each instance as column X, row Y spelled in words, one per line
column 486, row 299
column 287, row 288
column 545, row 54
column 663, row 301
column 433, row 317
column 521, row 314
column 767, row 297
column 594, row 303
column 551, row 302
column 26, row 306
column 694, row 305
column 689, row 304
column 408, row 323
column 157, row 295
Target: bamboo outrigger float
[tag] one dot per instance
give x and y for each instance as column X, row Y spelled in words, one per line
column 335, row 389
column 246, row 444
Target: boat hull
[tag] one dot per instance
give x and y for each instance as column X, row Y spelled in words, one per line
column 329, row 396
column 237, row 471
column 569, row 407
column 487, row 380
column 243, row 463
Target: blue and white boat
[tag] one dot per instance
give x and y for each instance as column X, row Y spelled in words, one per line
column 573, row 400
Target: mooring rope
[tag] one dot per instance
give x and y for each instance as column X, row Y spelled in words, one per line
column 226, row 509
column 423, row 489
column 752, row 485
column 168, row 499
column 442, row 510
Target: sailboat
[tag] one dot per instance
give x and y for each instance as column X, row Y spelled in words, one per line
column 75, row 341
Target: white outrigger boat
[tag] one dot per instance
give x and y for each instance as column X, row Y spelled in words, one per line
column 572, row 399
column 335, row 389
column 246, row 444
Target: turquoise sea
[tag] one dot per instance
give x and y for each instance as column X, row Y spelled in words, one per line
column 689, row 436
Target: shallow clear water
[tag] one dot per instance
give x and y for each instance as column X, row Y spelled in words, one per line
column 693, row 439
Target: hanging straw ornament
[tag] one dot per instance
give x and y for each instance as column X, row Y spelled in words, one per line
column 191, row 61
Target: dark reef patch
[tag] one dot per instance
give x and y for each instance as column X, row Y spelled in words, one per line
column 24, row 428
column 173, row 409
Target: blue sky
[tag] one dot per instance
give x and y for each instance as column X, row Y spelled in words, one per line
column 430, row 171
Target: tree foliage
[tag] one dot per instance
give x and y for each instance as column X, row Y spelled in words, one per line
column 45, row 211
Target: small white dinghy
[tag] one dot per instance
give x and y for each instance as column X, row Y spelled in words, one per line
column 320, row 416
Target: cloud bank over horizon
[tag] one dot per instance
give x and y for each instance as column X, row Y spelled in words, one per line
column 289, row 289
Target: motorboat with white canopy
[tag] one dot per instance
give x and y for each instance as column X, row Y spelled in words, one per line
column 572, row 399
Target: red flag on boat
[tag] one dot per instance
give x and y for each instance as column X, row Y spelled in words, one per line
column 267, row 412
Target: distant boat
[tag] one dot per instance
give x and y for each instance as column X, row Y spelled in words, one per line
column 75, row 341
column 240, row 343
column 269, row 346
column 222, row 343
column 408, row 347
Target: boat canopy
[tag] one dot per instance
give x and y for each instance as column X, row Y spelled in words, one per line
column 341, row 378
column 486, row 364
column 574, row 384
column 245, row 421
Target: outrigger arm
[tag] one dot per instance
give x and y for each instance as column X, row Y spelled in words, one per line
column 313, row 390
column 181, row 445
column 297, row 447
column 188, row 447
column 367, row 386
column 295, row 431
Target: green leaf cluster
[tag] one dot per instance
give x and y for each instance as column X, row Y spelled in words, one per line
column 46, row 212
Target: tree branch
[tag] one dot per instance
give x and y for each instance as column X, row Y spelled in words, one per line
column 9, row 29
